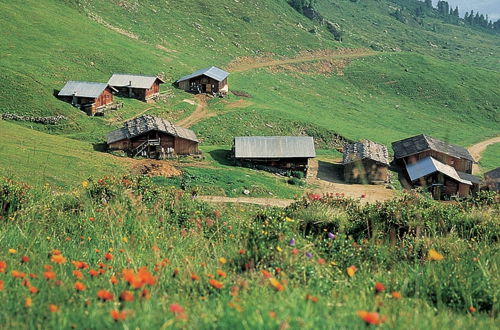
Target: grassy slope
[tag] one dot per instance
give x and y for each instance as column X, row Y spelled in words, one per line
column 490, row 159
column 383, row 97
column 40, row 158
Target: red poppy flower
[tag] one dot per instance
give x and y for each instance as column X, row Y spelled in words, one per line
column 379, row 287
column 127, row 296
column 50, row 275
column 79, row 286
column 221, row 273
column 176, row 309
column 104, row 295
column 78, row 274
column 53, row 308
column 25, row 259
column 118, row 315
column 215, row 284
column 371, row 317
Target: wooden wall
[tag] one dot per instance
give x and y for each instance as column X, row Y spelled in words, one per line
column 365, row 171
column 181, row 146
column 462, row 165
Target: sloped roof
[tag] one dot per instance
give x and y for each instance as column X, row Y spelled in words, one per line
column 366, row 149
column 493, row 174
column 419, row 143
column 469, row 177
column 429, row 165
column 212, row 72
column 83, row 89
column 132, row 80
column 274, row 147
column 146, row 123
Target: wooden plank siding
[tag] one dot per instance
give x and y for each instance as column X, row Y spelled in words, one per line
column 179, row 145
column 365, row 171
column 462, row 165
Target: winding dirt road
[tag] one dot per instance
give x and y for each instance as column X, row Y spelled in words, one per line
column 477, row 149
column 200, row 113
column 249, row 63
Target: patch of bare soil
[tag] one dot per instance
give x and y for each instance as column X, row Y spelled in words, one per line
column 241, row 103
column 153, row 167
column 327, row 178
column 165, row 49
column 477, row 149
column 335, row 59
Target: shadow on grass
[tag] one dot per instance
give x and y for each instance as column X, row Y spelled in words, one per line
column 101, row 147
column 221, row 156
column 330, row 172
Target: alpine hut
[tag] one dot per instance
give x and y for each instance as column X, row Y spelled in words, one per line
column 444, row 168
column 275, row 152
column 153, row 137
column 140, row 87
column 366, row 162
column 90, row 97
column 211, row 80
column 492, row 179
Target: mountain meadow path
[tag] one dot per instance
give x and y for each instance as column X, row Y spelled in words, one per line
column 477, row 149
column 242, row 64
column 200, row 113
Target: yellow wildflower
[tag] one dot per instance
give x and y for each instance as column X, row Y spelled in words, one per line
column 12, row 251
column 433, row 255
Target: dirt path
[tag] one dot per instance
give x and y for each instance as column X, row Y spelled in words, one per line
column 248, row 200
column 477, row 149
column 137, row 115
column 327, row 176
column 201, row 112
column 245, row 64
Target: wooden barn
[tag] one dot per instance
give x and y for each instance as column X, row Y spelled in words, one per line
column 366, row 162
column 153, row 137
column 275, row 152
column 90, row 97
column 144, row 88
column 445, row 169
column 492, row 180
column 210, row 80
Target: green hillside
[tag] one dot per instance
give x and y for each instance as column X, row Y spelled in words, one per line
column 442, row 82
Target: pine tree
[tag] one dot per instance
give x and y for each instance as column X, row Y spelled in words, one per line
column 428, row 3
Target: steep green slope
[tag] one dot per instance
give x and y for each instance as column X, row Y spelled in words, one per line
column 40, row 158
column 384, row 96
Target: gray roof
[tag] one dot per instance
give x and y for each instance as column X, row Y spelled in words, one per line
column 366, row 149
column 420, row 143
column 493, row 174
column 429, row 165
column 146, row 123
column 274, row 147
column 469, row 177
column 212, row 72
column 83, row 89
column 134, row 81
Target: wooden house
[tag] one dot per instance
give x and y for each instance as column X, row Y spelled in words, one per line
column 274, row 152
column 144, row 88
column 153, row 137
column 90, row 97
column 366, row 162
column 210, row 80
column 445, row 169
column 492, row 180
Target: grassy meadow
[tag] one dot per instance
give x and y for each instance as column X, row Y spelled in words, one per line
column 126, row 253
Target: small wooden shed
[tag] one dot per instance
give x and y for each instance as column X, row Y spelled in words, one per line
column 153, row 137
column 211, row 80
column 144, row 88
column 275, row 152
column 90, row 97
column 492, row 180
column 366, row 162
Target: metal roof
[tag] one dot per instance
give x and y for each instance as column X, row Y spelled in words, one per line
column 469, row 177
column 420, row 143
column 429, row 165
column 366, row 149
column 83, row 89
column 131, row 80
column 274, row 147
column 212, row 72
column 146, row 123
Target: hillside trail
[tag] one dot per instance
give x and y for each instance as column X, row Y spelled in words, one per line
column 245, row 64
column 248, row 200
column 200, row 113
column 137, row 115
column 477, row 149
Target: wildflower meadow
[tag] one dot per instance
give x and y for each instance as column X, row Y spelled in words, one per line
column 126, row 253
